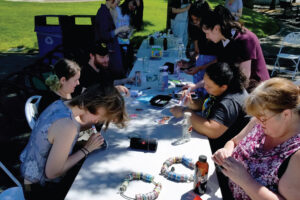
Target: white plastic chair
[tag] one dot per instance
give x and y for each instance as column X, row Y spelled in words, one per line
column 292, row 39
column 13, row 193
column 31, row 110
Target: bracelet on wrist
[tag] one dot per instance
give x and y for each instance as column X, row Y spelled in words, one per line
column 85, row 155
column 86, row 150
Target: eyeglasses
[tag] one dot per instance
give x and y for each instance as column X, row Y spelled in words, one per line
column 264, row 121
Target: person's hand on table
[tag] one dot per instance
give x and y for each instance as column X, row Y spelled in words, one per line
column 182, row 64
column 94, row 142
column 187, row 86
column 177, row 111
column 220, row 155
column 123, row 89
column 192, row 70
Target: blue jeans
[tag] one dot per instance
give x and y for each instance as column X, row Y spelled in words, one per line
column 202, row 60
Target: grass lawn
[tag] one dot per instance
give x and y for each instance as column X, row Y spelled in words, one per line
column 17, row 19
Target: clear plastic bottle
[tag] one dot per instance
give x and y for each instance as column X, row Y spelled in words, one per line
column 201, row 173
column 177, row 69
column 163, row 78
column 186, row 127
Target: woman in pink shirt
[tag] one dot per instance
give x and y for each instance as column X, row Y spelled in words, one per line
column 262, row 161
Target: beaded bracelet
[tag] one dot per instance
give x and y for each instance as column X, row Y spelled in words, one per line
column 141, row 176
column 169, row 174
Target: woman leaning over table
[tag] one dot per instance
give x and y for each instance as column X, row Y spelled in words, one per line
column 262, row 161
column 48, row 154
column 240, row 46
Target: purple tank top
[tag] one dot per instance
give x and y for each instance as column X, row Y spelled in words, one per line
column 262, row 165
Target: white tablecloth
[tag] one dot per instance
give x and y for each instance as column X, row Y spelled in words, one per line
column 104, row 171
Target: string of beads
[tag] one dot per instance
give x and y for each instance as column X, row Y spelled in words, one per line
column 140, row 176
column 171, row 175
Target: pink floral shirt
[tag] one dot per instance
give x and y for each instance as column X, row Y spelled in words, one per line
column 262, row 165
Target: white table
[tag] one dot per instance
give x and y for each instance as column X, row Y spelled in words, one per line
column 104, row 171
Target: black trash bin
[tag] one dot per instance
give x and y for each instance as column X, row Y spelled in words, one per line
column 78, row 37
column 50, row 36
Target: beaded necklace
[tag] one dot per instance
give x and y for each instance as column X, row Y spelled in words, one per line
column 170, row 174
column 140, row 176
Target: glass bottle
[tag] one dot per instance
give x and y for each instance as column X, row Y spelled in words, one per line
column 186, row 127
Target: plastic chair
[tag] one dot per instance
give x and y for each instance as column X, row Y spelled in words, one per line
column 13, row 193
column 291, row 39
column 31, row 110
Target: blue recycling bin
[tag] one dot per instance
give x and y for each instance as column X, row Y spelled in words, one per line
column 50, row 36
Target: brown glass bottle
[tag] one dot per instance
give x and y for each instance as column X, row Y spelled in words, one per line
column 165, row 43
column 201, row 173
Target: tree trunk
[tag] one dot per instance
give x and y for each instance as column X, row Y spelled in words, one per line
column 272, row 5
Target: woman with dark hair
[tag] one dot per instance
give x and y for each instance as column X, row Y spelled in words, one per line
column 124, row 18
column 222, row 114
column 48, row 154
column 106, row 31
column 205, row 50
column 62, row 83
column 262, row 161
column 240, row 46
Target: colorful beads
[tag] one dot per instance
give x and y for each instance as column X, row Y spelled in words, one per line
column 172, row 175
column 145, row 177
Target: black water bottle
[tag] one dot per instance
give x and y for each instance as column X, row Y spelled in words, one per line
column 165, row 42
column 151, row 41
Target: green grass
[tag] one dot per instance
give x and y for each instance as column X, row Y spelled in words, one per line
column 17, row 20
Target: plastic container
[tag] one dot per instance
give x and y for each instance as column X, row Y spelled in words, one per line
column 201, row 173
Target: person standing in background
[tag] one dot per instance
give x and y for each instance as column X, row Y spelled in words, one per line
column 179, row 19
column 235, row 7
column 105, row 30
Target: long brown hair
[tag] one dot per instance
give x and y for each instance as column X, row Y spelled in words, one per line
column 106, row 97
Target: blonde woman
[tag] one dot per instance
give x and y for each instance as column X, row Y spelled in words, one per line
column 262, row 161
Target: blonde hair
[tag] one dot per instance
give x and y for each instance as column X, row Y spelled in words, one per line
column 275, row 95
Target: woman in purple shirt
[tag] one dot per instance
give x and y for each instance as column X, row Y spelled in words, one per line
column 106, row 31
column 240, row 46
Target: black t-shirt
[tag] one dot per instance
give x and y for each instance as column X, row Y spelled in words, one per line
column 89, row 77
column 228, row 110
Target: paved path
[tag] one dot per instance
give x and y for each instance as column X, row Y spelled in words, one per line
column 271, row 44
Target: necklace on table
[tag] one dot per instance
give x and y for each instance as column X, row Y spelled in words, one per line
column 170, row 174
column 140, row 176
